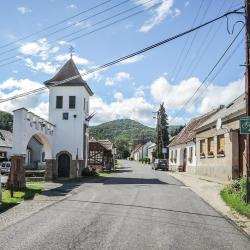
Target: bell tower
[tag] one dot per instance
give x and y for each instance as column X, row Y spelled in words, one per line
column 68, row 109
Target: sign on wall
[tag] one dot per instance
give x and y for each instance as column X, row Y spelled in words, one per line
column 245, row 125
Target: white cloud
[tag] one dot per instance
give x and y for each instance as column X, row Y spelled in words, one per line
column 24, row 10
column 119, row 77
column 41, row 49
column 118, row 96
column 77, row 59
column 158, row 14
column 175, row 96
column 12, row 87
column 186, row 3
column 135, row 108
column 133, row 59
column 72, row 6
column 176, row 12
column 228, row 92
column 47, row 67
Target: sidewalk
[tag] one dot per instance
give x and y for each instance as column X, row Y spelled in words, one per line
column 52, row 193
column 209, row 190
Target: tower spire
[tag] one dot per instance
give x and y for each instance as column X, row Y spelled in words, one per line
column 71, row 51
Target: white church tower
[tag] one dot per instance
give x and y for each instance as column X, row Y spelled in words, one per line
column 68, row 111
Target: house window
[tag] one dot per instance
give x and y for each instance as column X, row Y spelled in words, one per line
column 43, row 156
column 171, row 155
column 210, row 146
column 190, row 157
column 84, row 104
column 202, row 148
column 72, row 102
column 175, row 155
column 87, row 106
column 221, row 144
column 59, row 102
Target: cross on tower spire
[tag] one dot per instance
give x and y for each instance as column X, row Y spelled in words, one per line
column 71, row 51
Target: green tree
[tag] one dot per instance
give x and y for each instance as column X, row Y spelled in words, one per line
column 162, row 131
column 6, row 121
column 122, row 146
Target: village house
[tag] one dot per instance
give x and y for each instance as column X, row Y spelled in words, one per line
column 64, row 135
column 5, row 144
column 140, row 152
column 136, row 152
column 101, row 154
column 151, row 150
column 182, row 149
column 220, row 148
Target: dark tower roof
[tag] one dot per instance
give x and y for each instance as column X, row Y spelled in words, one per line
column 68, row 70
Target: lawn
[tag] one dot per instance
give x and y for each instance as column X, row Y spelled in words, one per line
column 24, row 194
column 234, row 196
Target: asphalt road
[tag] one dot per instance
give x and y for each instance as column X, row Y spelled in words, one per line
column 137, row 208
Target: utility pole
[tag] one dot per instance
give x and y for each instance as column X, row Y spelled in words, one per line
column 247, row 86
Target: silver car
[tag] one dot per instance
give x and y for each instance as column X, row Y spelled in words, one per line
column 160, row 164
column 5, row 167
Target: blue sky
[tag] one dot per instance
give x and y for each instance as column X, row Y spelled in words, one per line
column 135, row 88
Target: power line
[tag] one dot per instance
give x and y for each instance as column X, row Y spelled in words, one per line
column 88, row 33
column 186, row 42
column 192, row 41
column 210, row 72
column 127, row 56
column 71, row 25
column 55, row 24
column 201, row 50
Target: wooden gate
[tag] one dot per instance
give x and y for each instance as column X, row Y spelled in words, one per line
column 63, row 165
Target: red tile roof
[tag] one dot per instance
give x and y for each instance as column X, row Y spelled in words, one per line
column 188, row 132
column 68, row 70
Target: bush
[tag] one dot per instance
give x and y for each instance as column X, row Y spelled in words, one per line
column 234, row 195
column 34, row 173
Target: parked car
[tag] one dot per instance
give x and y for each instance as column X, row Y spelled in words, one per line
column 5, row 167
column 160, row 164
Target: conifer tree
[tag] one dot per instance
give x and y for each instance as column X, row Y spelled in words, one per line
column 162, row 131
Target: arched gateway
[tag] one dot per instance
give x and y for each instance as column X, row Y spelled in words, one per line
column 26, row 126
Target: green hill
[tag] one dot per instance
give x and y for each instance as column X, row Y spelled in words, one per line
column 127, row 128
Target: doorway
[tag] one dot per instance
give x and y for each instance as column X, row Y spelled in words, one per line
column 63, row 165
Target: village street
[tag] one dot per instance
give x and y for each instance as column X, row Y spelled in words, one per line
column 136, row 208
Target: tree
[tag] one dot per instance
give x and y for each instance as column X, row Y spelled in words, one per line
column 6, row 121
column 177, row 130
column 122, row 146
column 162, row 131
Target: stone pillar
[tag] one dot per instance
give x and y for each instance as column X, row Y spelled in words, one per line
column 17, row 173
column 50, row 170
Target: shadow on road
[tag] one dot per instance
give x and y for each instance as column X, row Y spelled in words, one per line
column 62, row 190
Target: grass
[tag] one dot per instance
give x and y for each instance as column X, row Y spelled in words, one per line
column 24, row 194
column 234, row 196
column 36, row 182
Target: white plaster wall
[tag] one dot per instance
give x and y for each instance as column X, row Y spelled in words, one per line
column 26, row 125
column 68, row 133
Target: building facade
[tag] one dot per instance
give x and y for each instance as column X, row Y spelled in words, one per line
column 220, row 148
column 182, row 149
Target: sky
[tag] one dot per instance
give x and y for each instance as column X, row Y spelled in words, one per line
column 134, row 88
